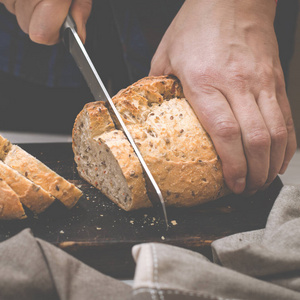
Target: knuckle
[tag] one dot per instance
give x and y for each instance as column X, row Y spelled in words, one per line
column 290, row 124
column 259, row 139
column 280, row 80
column 202, row 76
column 237, row 170
column 279, row 135
column 227, row 129
column 240, row 76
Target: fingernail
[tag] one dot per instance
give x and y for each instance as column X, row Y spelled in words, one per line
column 239, row 185
column 283, row 168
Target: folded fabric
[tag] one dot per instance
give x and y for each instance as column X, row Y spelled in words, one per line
column 261, row 264
column 32, row 269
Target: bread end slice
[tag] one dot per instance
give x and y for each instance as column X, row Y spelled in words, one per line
column 10, row 204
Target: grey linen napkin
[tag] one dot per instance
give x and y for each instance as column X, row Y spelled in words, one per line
column 261, row 264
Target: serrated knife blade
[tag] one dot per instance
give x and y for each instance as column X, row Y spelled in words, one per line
column 98, row 90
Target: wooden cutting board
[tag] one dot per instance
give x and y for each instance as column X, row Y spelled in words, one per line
column 100, row 234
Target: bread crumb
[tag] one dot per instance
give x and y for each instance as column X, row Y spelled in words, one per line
column 163, row 238
column 61, row 232
column 87, row 198
column 174, row 222
column 152, row 224
column 101, row 215
column 131, row 221
column 98, row 228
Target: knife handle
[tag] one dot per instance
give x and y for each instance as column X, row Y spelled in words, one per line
column 69, row 23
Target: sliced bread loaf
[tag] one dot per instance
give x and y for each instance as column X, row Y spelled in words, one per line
column 32, row 196
column 176, row 148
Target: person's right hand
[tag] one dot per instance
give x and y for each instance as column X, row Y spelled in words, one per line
column 42, row 19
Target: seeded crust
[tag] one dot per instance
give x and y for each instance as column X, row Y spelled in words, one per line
column 175, row 146
column 10, row 204
column 41, row 175
column 32, row 196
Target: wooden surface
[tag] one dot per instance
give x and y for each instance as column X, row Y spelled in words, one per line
column 100, row 234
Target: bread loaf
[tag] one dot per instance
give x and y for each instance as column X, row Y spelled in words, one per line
column 176, row 148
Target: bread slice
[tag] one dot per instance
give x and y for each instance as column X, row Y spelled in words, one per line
column 10, row 204
column 41, row 175
column 32, row 196
column 173, row 143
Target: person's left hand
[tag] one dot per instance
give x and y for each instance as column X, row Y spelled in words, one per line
column 225, row 54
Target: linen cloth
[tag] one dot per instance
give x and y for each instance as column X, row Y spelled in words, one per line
column 261, row 264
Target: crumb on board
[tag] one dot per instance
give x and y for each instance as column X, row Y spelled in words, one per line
column 61, row 232
column 173, row 222
column 131, row 221
column 163, row 238
column 87, row 198
column 98, row 228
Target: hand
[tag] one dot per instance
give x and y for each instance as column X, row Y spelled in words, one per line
column 42, row 19
column 225, row 53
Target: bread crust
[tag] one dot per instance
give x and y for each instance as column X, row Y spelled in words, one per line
column 32, row 196
column 173, row 143
column 10, row 204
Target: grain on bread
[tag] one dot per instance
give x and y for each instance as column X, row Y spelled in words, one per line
column 173, row 143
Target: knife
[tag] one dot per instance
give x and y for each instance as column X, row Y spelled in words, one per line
column 98, row 90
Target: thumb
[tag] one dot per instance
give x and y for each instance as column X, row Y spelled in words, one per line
column 80, row 11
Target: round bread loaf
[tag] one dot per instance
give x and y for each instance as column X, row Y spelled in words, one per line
column 175, row 146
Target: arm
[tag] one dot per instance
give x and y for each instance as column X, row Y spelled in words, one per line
column 225, row 53
column 42, row 19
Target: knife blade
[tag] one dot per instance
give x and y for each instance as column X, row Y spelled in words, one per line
column 98, row 90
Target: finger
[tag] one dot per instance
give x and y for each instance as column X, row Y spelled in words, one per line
column 215, row 114
column 275, row 123
column 47, row 19
column 80, row 11
column 10, row 5
column 256, row 139
column 160, row 63
column 291, row 138
column 23, row 10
